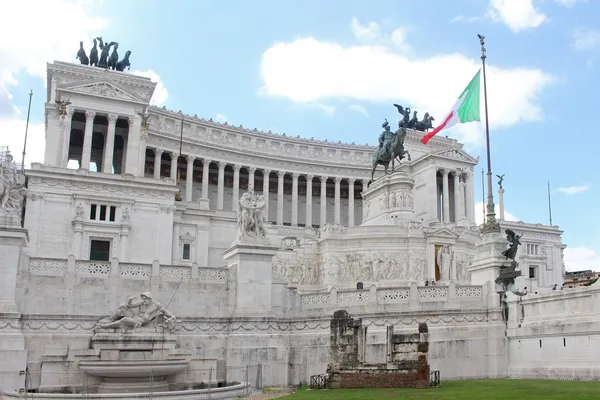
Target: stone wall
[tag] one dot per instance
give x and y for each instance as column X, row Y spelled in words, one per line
column 555, row 334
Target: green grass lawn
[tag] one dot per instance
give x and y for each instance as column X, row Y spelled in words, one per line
column 491, row 389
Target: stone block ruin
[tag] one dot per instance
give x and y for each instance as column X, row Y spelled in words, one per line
column 406, row 365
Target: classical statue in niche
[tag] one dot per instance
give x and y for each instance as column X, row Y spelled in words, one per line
column 250, row 219
column 444, row 260
column 137, row 313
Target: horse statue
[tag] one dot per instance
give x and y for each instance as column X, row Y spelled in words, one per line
column 114, row 57
column 124, row 62
column 396, row 149
column 412, row 123
column 94, row 54
column 81, row 56
column 425, row 124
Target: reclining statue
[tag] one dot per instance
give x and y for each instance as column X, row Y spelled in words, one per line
column 125, row 317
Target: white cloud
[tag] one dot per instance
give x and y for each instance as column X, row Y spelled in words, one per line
column 221, row 118
column 359, row 109
column 570, row 190
column 479, row 214
column 518, row 15
column 399, row 38
column 586, row 39
column 58, row 26
column 160, row 92
column 581, row 259
column 367, row 33
column 307, row 70
column 12, row 132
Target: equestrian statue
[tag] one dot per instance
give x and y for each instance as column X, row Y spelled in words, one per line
column 391, row 144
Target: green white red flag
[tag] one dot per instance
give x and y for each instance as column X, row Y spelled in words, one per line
column 466, row 109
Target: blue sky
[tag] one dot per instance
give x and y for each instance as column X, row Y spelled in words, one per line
column 332, row 69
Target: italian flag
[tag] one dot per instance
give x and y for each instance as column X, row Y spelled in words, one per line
column 466, row 109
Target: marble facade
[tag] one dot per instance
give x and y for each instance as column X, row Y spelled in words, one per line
column 103, row 223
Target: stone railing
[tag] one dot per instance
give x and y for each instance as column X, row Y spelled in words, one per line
column 125, row 270
column 409, row 297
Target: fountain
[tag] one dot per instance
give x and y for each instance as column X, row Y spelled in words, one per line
column 133, row 355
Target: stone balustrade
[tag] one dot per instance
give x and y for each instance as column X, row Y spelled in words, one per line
column 411, row 297
column 125, row 270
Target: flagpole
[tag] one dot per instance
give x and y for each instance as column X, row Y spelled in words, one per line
column 490, row 225
column 549, row 204
column 482, row 196
column 26, row 129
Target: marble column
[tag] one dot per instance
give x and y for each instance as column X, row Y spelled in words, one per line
column 221, row 185
column 157, row 161
column 461, row 202
column 236, row 187
column 176, row 251
column 337, row 210
column 109, row 144
column 86, row 152
column 323, row 216
column 66, row 138
column 456, row 195
column 470, row 197
column 280, row 176
column 295, row 177
column 205, row 170
column 350, row 202
column 142, row 159
column 189, row 178
column 251, row 180
column 132, row 155
column 308, row 218
column 445, row 196
column 174, row 158
column 266, row 175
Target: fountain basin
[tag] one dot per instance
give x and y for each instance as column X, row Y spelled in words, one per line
column 133, row 368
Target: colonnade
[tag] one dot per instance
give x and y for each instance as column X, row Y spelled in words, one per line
column 455, row 204
column 301, row 184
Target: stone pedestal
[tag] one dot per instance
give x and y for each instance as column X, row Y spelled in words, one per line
column 389, row 199
column 488, row 261
column 250, row 263
column 13, row 357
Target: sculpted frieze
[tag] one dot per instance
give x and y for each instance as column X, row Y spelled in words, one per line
column 99, row 187
column 349, row 268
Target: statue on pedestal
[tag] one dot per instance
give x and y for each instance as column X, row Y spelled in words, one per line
column 126, row 317
column 104, row 60
column 500, row 180
column 12, row 190
column 250, row 222
column 391, row 145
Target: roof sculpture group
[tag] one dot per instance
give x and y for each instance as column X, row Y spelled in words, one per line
column 391, row 144
column 104, row 60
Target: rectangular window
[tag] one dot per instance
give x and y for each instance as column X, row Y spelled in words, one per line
column 533, row 272
column 93, row 212
column 102, row 213
column 100, row 250
column 113, row 212
column 186, row 251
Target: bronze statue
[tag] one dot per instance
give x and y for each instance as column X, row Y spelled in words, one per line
column 62, row 107
column 114, row 57
column 124, row 62
column 500, row 180
column 81, row 56
column 514, row 241
column 425, row 123
column 391, row 145
column 103, row 62
column 413, row 121
column 145, row 124
column 94, row 55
